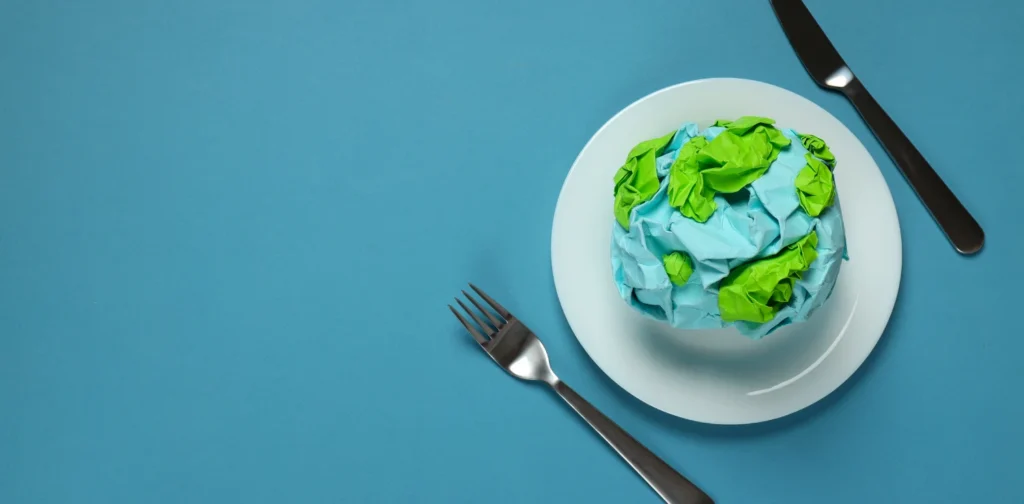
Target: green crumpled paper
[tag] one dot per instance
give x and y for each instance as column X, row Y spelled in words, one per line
column 678, row 266
column 637, row 180
column 735, row 158
column 815, row 186
column 756, row 291
column 817, row 146
column 686, row 189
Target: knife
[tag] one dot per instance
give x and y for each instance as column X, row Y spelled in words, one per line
column 829, row 70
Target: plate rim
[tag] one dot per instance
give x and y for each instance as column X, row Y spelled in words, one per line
column 898, row 250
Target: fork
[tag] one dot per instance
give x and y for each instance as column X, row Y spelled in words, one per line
column 517, row 350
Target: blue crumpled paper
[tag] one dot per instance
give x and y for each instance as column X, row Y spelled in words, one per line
column 756, row 222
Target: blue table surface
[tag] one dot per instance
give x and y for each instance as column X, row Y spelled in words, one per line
column 229, row 230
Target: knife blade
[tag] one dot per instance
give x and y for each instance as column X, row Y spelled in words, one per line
column 814, row 49
column 828, row 69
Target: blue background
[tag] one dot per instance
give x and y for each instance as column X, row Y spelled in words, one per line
column 228, row 232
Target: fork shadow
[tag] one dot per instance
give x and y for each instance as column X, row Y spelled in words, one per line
column 777, row 426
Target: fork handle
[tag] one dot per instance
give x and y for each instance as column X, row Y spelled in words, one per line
column 669, row 484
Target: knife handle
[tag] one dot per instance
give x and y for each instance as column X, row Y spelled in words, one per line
column 962, row 230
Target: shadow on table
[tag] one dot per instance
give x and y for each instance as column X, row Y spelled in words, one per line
column 709, row 430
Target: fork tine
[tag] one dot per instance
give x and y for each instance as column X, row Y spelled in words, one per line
column 469, row 327
column 494, row 304
column 483, row 325
column 494, row 320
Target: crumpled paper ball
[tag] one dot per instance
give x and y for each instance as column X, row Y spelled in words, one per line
column 743, row 230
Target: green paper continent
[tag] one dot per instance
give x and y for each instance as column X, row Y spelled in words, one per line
column 637, row 180
column 756, row 291
column 678, row 267
column 815, row 186
column 817, row 146
column 735, row 158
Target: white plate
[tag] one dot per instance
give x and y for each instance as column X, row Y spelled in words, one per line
column 720, row 376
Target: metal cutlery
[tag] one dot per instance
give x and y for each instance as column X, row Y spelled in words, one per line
column 829, row 70
column 518, row 351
